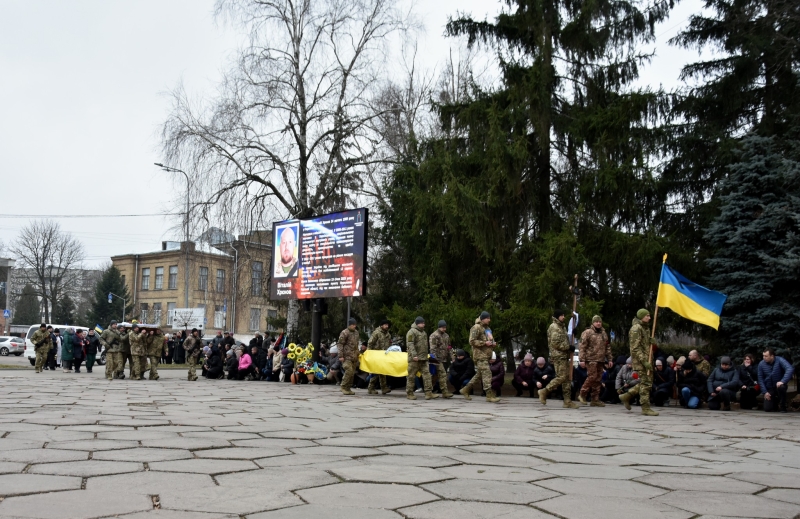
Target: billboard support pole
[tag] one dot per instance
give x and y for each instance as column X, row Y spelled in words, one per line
column 316, row 327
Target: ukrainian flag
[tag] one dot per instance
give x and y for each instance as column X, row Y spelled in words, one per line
column 98, row 328
column 688, row 299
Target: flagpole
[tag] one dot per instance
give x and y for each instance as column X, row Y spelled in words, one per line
column 655, row 321
column 572, row 339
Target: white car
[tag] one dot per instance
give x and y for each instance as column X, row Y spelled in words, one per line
column 29, row 348
column 12, row 345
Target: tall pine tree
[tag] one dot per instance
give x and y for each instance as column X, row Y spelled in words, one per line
column 64, row 311
column 102, row 312
column 28, row 309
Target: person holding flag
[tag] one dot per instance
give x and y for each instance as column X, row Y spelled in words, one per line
column 642, row 363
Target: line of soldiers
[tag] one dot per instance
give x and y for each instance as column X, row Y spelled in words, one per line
column 135, row 346
column 42, row 344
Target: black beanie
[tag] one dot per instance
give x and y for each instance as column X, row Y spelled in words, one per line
column 442, row 324
column 558, row 313
column 485, row 315
column 419, row 320
column 351, row 321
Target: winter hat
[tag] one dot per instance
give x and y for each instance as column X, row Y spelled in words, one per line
column 229, row 353
column 206, row 349
column 334, row 349
column 485, row 315
column 351, row 321
column 494, row 356
column 681, row 360
column 558, row 313
column 461, row 353
column 670, row 360
column 285, row 351
column 540, row 361
column 597, row 319
column 419, row 320
column 386, row 321
column 725, row 360
column 659, row 363
column 642, row 313
column 629, row 360
column 528, row 356
column 442, row 324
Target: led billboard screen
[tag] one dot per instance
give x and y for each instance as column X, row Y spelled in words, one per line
column 324, row 256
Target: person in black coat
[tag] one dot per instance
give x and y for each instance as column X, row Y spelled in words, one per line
column 663, row 383
column 179, row 355
column 579, row 376
column 77, row 349
column 610, row 395
column 691, row 385
column 722, row 385
column 523, row 376
column 462, row 369
column 93, row 347
column 213, row 365
column 543, row 373
column 232, row 365
column 748, row 378
column 287, row 368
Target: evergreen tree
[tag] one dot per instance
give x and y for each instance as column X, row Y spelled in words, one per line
column 64, row 311
column 757, row 251
column 102, row 312
column 28, row 309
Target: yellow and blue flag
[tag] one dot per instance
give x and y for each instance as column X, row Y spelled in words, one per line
column 688, row 299
column 98, row 328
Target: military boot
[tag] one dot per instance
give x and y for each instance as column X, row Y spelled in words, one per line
column 597, row 403
column 372, row 391
column 647, row 411
column 386, row 391
column 347, row 392
column 569, row 404
column 626, row 398
column 543, row 396
column 430, row 396
column 411, row 396
column 465, row 391
column 582, row 399
column 490, row 397
column 447, row 394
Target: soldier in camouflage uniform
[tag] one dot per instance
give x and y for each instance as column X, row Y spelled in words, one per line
column 380, row 340
column 42, row 344
column 561, row 359
column 417, row 349
column 700, row 363
column 156, row 346
column 595, row 350
column 640, row 355
column 482, row 342
column 137, row 339
column 193, row 345
column 110, row 340
column 440, row 348
column 348, row 352
column 124, row 354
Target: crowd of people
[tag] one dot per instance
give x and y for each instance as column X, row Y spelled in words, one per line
column 645, row 377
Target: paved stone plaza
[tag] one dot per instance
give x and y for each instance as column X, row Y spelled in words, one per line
column 78, row 446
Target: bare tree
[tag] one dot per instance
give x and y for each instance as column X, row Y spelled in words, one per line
column 49, row 260
column 292, row 129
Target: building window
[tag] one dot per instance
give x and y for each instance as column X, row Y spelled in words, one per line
column 170, row 313
column 271, row 314
column 220, row 281
column 173, row 277
column 203, row 308
column 258, row 269
column 123, row 280
column 219, row 317
column 255, row 318
column 202, row 283
column 156, row 313
column 145, row 312
column 146, row 279
column 159, row 278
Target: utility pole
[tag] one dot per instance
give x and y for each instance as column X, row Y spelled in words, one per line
column 186, row 230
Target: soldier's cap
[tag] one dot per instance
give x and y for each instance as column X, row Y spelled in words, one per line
column 485, row 315
column 558, row 313
column 419, row 320
column 597, row 319
column 113, row 323
column 386, row 321
column 351, row 321
column 49, row 327
column 642, row 313
column 442, row 324
column 43, row 325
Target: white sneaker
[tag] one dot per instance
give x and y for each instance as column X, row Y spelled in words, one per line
column 418, row 390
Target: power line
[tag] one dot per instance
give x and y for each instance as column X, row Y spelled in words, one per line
column 18, row 216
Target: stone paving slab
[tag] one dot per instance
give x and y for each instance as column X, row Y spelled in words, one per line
column 88, row 448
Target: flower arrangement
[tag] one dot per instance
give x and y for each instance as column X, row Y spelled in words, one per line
column 303, row 364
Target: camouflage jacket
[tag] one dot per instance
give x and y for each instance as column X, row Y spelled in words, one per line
column 125, row 342
column 477, row 339
column 111, row 340
column 137, row 341
column 703, row 367
column 192, row 345
column 379, row 340
column 440, row 345
column 348, row 345
column 156, row 345
column 416, row 344
column 41, row 336
column 640, row 344
column 558, row 342
column 594, row 346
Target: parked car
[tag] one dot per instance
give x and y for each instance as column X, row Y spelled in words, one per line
column 9, row 345
column 31, row 353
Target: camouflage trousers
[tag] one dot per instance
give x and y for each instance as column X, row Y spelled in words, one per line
column 441, row 373
column 153, row 366
column 594, row 380
column 112, row 361
column 191, row 361
column 562, row 367
column 124, row 357
column 643, row 388
column 138, row 364
column 373, row 381
column 41, row 357
column 482, row 373
column 425, row 372
column 349, row 368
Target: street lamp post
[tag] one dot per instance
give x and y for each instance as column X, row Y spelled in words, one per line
column 123, row 303
column 186, row 230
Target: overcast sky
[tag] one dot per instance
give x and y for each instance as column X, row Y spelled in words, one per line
column 82, row 93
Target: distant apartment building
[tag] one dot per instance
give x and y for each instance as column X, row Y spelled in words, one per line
column 79, row 285
column 227, row 280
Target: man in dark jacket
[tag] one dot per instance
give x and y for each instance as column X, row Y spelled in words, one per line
column 774, row 374
column 579, row 376
column 543, row 373
column 748, row 378
column 462, row 369
column 691, row 385
column 663, row 383
column 523, row 376
column 213, row 365
column 722, row 385
column 232, row 365
column 498, row 373
column 609, row 394
column 93, row 347
column 77, row 349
